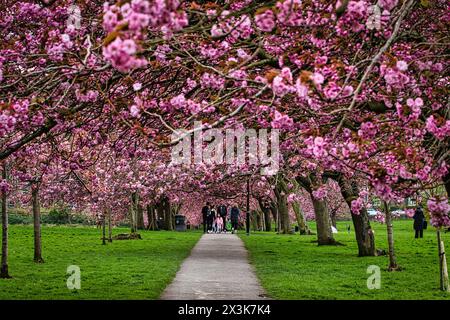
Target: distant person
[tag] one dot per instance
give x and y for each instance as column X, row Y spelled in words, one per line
column 222, row 211
column 419, row 221
column 211, row 218
column 218, row 224
column 234, row 215
column 205, row 213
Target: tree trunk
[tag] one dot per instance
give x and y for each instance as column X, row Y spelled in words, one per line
column 167, row 214
column 37, row 223
column 283, row 213
column 104, row 229
column 274, row 211
column 254, row 220
column 132, row 213
column 4, row 273
column 392, row 259
column 323, row 222
column 282, row 206
column 363, row 231
column 109, row 225
column 140, row 217
column 442, row 264
column 151, row 217
column 302, row 226
column 266, row 213
column 267, row 220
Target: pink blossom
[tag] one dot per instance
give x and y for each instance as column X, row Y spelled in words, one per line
column 265, row 21
column 320, row 193
column 402, row 65
column 357, row 205
column 439, row 209
column 281, row 121
column 388, row 4
column 134, row 111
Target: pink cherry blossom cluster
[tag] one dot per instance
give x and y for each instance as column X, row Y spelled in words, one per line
column 265, row 21
column 357, row 205
column 213, row 81
column 233, row 27
column 354, row 18
column 394, row 78
column 122, row 55
column 140, row 14
column 89, row 96
column 5, row 187
column 289, row 13
column 320, row 193
column 388, row 4
column 411, row 111
column 317, row 146
column 439, row 131
column 439, row 209
column 368, row 130
column 281, row 121
column 282, row 84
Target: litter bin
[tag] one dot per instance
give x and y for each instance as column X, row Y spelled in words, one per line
column 180, row 222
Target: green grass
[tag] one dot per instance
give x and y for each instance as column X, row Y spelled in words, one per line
column 127, row 269
column 293, row 267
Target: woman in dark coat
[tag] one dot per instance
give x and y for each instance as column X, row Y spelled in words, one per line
column 419, row 219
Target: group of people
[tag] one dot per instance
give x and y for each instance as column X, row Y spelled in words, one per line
column 216, row 220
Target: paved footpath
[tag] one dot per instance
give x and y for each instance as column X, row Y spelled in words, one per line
column 217, row 269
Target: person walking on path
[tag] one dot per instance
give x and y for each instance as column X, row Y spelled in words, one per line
column 211, row 219
column 222, row 211
column 419, row 221
column 234, row 214
column 219, row 224
column 205, row 213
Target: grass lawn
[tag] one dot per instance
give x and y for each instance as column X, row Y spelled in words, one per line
column 127, row 269
column 293, row 267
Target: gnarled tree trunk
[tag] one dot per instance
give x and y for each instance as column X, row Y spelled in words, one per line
column 283, row 213
column 265, row 208
column 323, row 221
column 363, row 231
column 302, row 226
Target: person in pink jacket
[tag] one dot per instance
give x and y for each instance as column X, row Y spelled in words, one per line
column 219, row 224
